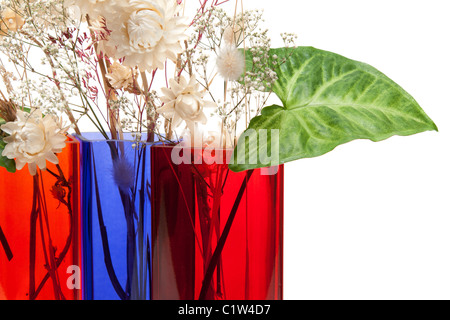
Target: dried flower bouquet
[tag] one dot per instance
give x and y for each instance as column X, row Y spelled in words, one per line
column 193, row 77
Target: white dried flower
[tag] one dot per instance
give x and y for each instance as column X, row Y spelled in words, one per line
column 10, row 21
column 216, row 140
column 102, row 34
column 92, row 8
column 33, row 140
column 205, row 139
column 120, row 77
column 230, row 63
column 232, row 35
column 147, row 32
column 184, row 101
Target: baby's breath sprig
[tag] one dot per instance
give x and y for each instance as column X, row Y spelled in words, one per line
column 82, row 75
column 215, row 45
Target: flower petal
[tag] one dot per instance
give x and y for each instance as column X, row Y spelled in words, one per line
column 20, row 164
column 9, row 127
column 50, row 156
column 41, row 163
column 32, row 168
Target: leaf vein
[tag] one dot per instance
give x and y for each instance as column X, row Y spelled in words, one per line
column 330, row 83
column 295, row 77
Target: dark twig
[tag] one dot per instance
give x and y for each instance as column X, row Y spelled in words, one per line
column 34, row 292
column 107, row 253
column 5, row 245
column 220, row 245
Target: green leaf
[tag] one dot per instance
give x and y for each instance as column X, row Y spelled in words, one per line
column 9, row 164
column 328, row 100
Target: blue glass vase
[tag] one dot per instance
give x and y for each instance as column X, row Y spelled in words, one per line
column 116, row 218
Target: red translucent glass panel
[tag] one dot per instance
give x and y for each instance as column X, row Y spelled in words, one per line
column 216, row 234
column 40, row 230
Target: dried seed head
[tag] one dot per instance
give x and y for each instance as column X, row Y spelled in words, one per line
column 230, row 63
column 123, row 174
column 7, row 111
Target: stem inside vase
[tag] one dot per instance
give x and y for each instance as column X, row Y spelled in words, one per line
column 214, row 262
column 133, row 200
column 5, row 245
column 39, row 211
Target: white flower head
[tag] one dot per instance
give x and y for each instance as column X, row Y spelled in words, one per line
column 10, row 21
column 33, row 139
column 93, row 8
column 120, row 77
column 102, row 34
column 184, row 101
column 232, row 35
column 230, row 63
column 147, row 32
column 217, row 140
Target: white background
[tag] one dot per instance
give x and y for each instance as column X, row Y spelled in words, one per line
column 372, row 220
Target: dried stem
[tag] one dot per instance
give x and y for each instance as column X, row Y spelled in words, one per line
column 223, row 238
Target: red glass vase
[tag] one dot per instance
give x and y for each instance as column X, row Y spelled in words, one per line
column 216, row 234
column 40, row 231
